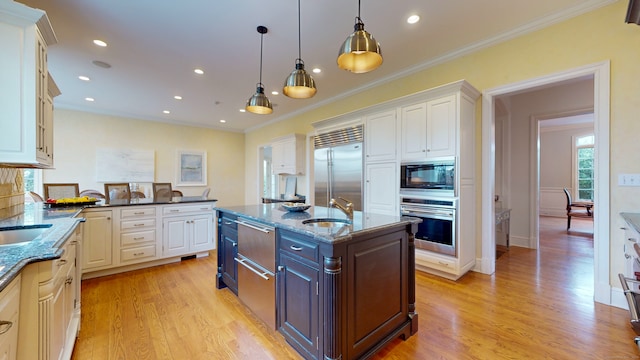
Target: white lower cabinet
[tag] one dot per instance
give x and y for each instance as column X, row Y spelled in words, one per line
column 97, row 249
column 124, row 238
column 187, row 229
column 9, row 317
column 50, row 304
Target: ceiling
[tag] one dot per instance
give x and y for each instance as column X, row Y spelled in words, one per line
column 154, row 46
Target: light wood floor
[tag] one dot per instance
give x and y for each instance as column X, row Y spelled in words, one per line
column 538, row 305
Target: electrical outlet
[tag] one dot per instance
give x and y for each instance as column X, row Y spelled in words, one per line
column 629, row 179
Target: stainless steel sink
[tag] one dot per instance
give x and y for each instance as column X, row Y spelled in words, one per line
column 21, row 236
column 326, row 222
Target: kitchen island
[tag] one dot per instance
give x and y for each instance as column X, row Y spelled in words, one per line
column 343, row 289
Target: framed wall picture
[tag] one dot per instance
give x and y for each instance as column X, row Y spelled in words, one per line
column 191, row 168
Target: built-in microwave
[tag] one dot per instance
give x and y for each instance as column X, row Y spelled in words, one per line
column 437, row 176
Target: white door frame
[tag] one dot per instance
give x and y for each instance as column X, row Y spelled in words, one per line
column 601, row 248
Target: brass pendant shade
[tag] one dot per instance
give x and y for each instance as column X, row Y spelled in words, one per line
column 299, row 84
column 259, row 103
column 360, row 52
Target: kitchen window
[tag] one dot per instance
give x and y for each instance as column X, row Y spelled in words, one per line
column 584, row 169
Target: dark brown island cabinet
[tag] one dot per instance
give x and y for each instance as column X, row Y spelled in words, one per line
column 341, row 292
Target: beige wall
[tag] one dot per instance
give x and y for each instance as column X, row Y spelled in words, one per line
column 586, row 39
column 77, row 135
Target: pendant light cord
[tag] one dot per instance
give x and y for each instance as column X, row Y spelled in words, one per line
column 299, row 36
column 359, row 10
column 261, row 37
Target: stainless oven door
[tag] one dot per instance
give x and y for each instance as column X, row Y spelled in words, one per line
column 436, row 232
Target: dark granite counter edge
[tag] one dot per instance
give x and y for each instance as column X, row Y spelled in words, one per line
column 332, row 238
column 45, row 247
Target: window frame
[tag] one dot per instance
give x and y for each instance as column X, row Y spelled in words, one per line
column 574, row 163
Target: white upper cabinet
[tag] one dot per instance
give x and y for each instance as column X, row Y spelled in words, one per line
column 429, row 129
column 380, row 136
column 288, row 154
column 26, row 101
column 442, row 114
column 414, row 131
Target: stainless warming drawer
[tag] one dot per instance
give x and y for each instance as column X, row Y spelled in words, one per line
column 256, row 270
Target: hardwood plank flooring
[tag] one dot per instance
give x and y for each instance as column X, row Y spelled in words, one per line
column 538, row 305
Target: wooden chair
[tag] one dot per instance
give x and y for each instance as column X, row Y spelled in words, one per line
column 161, row 190
column 92, row 193
column 137, row 195
column 577, row 209
column 205, row 193
column 176, row 193
column 59, row 191
column 117, row 191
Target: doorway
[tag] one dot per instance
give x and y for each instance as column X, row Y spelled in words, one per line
column 600, row 74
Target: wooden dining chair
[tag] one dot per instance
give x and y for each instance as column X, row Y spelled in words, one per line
column 92, row 193
column 59, row 191
column 137, row 195
column 577, row 209
column 176, row 193
column 161, row 190
column 115, row 191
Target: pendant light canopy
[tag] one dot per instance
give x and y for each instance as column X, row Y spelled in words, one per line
column 360, row 52
column 299, row 84
column 259, row 103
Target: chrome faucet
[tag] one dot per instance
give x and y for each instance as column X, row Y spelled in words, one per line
column 347, row 208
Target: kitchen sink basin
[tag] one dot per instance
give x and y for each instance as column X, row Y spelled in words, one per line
column 21, row 236
column 326, row 222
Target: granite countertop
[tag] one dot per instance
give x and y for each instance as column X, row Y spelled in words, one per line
column 45, row 247
column 153, row 201
column 633, row 219
column 276, row 215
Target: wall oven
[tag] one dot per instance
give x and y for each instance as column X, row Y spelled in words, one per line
column 437, row 231
column 434, row 176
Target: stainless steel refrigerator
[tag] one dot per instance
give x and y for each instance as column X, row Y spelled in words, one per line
column 338, row 167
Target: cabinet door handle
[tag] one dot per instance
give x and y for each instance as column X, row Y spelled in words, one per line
column 69, row 280
column 295, row 248
column 62, row 262
column 139, row 213
column 174, row 211
column 631, row 239
column 5, row 326
column 627, row 256
column 280, row 268
column 138, row 254
column 138, row 224
column 108, row 218
column 139, row 238
column 228, row 223
column 623, row 228
column 235, row 244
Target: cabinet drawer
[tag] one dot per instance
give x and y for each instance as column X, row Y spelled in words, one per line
column 229, row 222
column 138, row 212
column 182, row 209
column 136, row 253
column 436, row 261
column 137, row 224
column 138, row 237
column 305, row 249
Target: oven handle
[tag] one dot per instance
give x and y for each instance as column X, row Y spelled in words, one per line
column 446, row 215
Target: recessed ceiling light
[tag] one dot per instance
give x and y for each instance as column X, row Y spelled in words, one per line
column 317, row 70
column 223, row 121
column 83, row 78
column 274, row 93
column 100, row 43
column 178, row 97
column 198, row 71
column 90, row 99
column 413, row 19
column 166, row 111
column 242, row 110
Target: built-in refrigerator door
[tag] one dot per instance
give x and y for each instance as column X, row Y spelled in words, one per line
column 346, row 173
column 321, row 177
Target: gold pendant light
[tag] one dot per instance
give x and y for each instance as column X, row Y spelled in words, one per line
column 259, row 103
column 360, row 52
column 299, row 84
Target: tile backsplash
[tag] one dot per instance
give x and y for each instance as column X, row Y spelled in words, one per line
column 11, row 192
